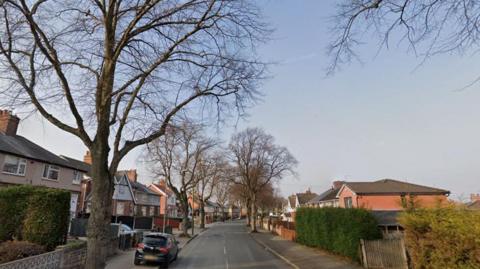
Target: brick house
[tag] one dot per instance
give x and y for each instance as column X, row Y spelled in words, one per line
column 23, row 162
column 168, row 199
column 389, row 194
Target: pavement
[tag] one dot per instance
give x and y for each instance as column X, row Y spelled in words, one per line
column 299, row 256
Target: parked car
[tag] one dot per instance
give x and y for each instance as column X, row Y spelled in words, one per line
column 125, row 229
column 156, row 247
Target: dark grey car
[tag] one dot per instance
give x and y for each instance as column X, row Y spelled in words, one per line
column 158, row 248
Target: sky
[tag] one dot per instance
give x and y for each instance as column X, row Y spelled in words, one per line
column 385, row 118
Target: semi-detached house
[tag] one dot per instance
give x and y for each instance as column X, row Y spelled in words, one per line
column 23, row 162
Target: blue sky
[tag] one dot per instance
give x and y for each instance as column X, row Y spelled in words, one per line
column 384, row 118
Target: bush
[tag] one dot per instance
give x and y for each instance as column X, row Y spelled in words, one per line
column 46, row 222
column 36, row 214
column 14, row 250
column 338, row 230
column 13, row 203
column 442, row 238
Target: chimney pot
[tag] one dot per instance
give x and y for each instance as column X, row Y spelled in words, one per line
column 88, row 157
column 8, row 122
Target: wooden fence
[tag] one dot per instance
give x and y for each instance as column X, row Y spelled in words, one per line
column 384, row 253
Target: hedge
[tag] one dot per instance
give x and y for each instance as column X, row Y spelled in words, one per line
column 337, row 230
column 36, row 214
column 442, row 238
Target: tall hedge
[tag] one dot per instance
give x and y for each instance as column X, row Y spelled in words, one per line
column 442, row 238
column 36, row 214
column 13, row 205
column 338, row 230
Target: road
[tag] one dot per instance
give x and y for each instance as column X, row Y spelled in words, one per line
column 223, row 246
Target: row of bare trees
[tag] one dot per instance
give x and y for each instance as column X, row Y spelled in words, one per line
column 243, row 173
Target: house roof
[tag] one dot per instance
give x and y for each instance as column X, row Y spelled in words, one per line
column 303, row 198
column 20, row 146
column 80, row 165
column 293, row 201
column 474, row 205
column 386, row 218
column 390, row 186
column 328, row 195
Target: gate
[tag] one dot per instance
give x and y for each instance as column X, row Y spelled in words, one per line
column 384, row 253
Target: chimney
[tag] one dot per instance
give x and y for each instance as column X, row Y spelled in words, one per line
column 475, row 197
column 132, row 175
column 337, row 184
column 8, row 123
column 87, row 158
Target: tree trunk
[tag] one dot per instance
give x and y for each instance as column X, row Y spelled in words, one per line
column 202, row 214
column 249, row 223
column 101, row 210
column 254, row 214
column 185, row 218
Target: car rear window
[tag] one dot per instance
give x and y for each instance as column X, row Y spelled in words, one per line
column 155, row 240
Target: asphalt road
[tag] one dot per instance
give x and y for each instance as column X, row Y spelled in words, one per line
column 226, row 245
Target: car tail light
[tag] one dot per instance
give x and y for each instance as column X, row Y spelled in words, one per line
column 164, row 250
column 140, row 246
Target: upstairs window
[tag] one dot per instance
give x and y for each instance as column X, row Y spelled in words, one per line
column 51, row 172
column 348, row 202
column 14, row 165
column 77, row 177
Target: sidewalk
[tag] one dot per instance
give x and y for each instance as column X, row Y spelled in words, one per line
column 299, row 256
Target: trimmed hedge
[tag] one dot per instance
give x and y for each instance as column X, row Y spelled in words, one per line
column 36, row 214
column 338, row 230
column 442, row 238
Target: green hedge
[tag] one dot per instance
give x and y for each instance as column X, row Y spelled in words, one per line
column 36, row 214
column 442, row 238
column 338, row 230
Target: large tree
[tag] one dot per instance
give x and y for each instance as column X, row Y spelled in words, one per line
column 428, row 27
column 178, row 157
column 115, row 73
column 258, row 161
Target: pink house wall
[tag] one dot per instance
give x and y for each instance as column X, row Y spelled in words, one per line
column 388, row 202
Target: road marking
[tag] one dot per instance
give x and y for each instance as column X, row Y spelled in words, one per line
column 224, row 250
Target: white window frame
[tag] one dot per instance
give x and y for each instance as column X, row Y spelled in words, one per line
column 48, row 168
column 20, row 162
column 77, row 177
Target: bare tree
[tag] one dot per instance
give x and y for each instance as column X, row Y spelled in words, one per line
column 240, row 197
column 177, row 156
column 221, row 192
column 116, row 73
column 428, row 27
column 258, row 162
column 209, row 174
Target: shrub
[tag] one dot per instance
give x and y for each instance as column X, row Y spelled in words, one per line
column 442, row 238
column 14, row 250
column 35, row 214
column 46, row 219
column 13, row 203
column 338, row 230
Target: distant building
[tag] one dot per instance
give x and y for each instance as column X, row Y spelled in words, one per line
column 295, row 201
column 327, row 198
column 474, row 202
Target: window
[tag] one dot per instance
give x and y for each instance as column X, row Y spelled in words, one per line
column 77, row 177
column 348, row 202
column 14, row 165
column 120, row 208
column 144, row 211
column 51, row 172
column 152, row 211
